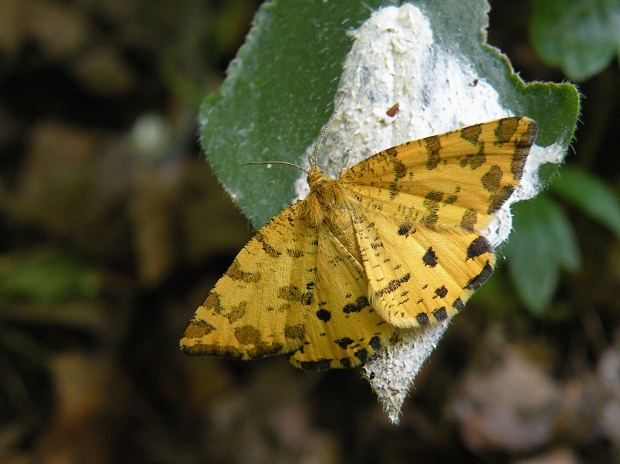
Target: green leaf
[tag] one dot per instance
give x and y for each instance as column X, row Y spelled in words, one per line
column 279, row 91
column 46, row 278
column 579, row 36
column 590, row 194
column 542, row 243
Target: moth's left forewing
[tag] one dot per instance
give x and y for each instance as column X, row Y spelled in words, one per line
column 457, row 179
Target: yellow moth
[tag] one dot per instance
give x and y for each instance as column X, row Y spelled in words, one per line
column 393, row 243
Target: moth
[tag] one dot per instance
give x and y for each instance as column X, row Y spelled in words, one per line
column 393, row 243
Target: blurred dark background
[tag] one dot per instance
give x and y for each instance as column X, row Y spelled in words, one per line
column 113, row 230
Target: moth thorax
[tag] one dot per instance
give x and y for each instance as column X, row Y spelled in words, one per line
column 326, row 197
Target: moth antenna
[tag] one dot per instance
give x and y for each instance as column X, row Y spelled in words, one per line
column 318, row 145
column 316, row 152
column 283, row 163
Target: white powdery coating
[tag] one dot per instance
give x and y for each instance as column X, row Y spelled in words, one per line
column 394, row 59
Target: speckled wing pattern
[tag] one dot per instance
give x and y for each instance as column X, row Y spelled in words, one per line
column 292, row 289
column 420, row 208
column 394, row 242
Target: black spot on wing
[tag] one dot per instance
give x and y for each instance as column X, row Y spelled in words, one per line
column 506, row 128
column 344, row 342
column 236, row 273
column 236, row 312
column 198, row 328
column 345, row 363
column 263, row 350
column 441, row 292
column 400, row 171
column 267, row 248
column 474, row 160
column 458, row 305
column 497, row 199
column 432, row 151
column 469, row 219
column 362, row 355
column 228, row 352
column 393, row 285
column 430, row 257
column 356, row 307
column 422, row 319
column 518, row 162
column 440, row 314
column 431, row 203
column 324, row 315
column 450, row 200
column 477, row 247
column 522, row 149
column 375, row 343
column 295, row 253
column 492, row 180
column 405, row 227
column 248, row 335
column 295, row 332
column 289, row 293
column 317, row 365
column 476, row 282
column 471, row 133
column 293, row 293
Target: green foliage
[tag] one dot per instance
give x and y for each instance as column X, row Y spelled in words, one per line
column 33, row 286
column 45, row 278
column 579, row 36
column 591, row 195
column 542, row 243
